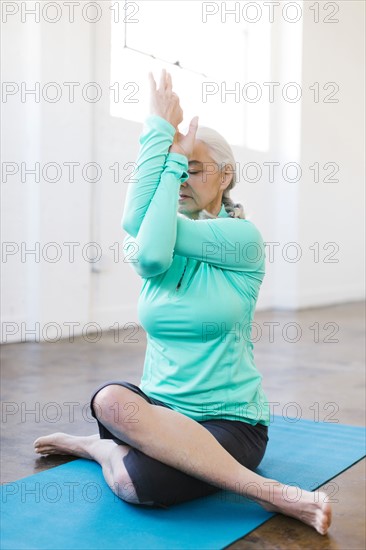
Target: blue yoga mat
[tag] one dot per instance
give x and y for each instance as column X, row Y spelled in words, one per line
column 71, row 506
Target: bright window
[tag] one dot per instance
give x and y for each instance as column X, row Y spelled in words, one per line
column 216, row 60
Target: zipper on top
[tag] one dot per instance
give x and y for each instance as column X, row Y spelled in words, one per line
column 180, row 280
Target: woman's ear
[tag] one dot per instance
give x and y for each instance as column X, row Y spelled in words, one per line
column 226, row 177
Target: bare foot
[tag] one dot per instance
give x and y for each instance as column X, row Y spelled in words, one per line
column 310, row 507
column 65, row 444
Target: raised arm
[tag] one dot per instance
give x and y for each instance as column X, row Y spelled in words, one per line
column 157, row 137
column 159, row 232
column 155, row 140
column 227, row 243
column 151, row 250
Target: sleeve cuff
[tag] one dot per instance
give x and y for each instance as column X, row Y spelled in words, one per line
column 160, row 123
column 178, row 164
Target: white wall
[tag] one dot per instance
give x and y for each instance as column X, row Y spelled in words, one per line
column 302, row 212
column 334, row 212
column 35, row 290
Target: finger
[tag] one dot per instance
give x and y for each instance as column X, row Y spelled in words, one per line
column 152, row 82
column 169, row 83
column 193, row 126
column 162, row 79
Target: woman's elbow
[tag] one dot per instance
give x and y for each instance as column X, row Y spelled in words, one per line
column 127, row 226
column 147, row 268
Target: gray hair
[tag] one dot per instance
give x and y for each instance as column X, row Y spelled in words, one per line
column 222, row 155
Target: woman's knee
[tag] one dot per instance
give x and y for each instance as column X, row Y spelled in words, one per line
column 124, row 488
column 130, row 491
column 116, row 404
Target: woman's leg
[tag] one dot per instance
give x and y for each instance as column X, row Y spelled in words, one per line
column 164, row 486
column 180, row 442
column 104, row 451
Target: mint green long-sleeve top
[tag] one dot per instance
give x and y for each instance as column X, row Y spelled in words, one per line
column 201, row 280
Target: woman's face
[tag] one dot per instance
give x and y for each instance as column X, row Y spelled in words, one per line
column 205, row 185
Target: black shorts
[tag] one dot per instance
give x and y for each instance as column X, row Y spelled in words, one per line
column 160, row 485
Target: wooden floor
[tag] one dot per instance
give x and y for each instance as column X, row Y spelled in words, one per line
column 46, row 388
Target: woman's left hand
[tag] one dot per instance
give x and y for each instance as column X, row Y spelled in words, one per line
column 163, row 101
column 183, row 144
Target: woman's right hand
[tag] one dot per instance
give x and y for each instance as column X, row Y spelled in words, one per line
column 163, row 101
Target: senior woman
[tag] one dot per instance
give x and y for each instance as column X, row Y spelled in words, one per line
column 198, row 421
